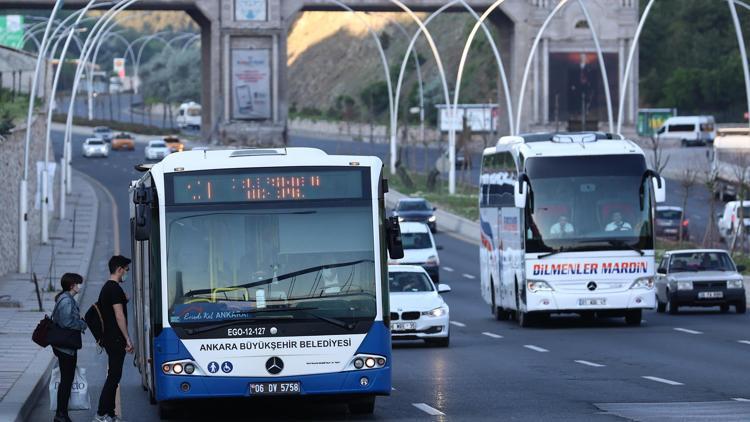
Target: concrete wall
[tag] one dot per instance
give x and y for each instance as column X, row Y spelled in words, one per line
column 11, row 172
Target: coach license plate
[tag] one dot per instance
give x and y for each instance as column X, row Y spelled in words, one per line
column 274, row 388
column 402, row 326
column 710, row 295
column 592, row 302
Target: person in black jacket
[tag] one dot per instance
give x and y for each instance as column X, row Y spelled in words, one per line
column 67, row 315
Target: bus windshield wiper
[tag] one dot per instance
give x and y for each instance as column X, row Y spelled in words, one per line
column 552, row 252
column 618, row 243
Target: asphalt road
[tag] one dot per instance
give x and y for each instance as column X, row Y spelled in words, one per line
column 569, row 369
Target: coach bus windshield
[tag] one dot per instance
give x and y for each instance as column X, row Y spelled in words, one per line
column 295, row 261
column 586, row 203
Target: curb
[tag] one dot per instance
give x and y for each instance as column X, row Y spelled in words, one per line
column 20, row 400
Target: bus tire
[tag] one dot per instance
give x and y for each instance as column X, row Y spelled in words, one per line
column 633, row 317
column 362, row 406
column 497, row 312
column 167, row 410
column 524, row 319
column 741, row 307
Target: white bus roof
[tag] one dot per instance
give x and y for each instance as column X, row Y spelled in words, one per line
column 565, row 144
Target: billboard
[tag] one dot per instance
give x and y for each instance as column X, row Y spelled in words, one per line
column 480, row 117
column 11, row 31
column 651, row 119
column 118, row 65
column 250, row 10
column 251, row 83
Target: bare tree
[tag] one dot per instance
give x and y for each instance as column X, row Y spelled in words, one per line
column 711, row 181
column 659, row 159
column 740, row 165
column 687, row 182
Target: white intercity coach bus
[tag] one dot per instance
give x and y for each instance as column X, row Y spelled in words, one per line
column 262, row 272
column 566, row 226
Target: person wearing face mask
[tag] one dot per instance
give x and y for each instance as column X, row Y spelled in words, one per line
column 67, row 315
column 115, row 338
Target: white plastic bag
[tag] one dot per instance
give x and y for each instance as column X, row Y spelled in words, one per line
column 79, row 393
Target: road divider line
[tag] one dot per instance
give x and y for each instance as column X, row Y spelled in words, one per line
column 458, row 324
column 587, row 363
column 662, row 380
column 493, row 335
column 428, row 409
column 469, row 276
column 743, row 341
column 686, row 330
column 741, row 399
column 535, row 348
column 449, row 269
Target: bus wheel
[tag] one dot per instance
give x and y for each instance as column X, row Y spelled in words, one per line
column 524, row 319
column 634, row 317
column 496, row 311
column 167, row 410
column 362, row 406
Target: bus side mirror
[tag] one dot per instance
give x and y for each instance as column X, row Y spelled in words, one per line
column 393, row 235
column 660, row 189
column 520, row 189
column 142, row 220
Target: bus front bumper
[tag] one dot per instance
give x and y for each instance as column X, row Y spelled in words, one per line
column 568, row 302
column 172, row 387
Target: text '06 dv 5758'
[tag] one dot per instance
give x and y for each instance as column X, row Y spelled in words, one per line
column 263, row 272
column 567, row 226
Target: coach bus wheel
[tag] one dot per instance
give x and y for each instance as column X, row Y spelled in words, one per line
column 363, row 406
column 634, row 317
column 497, row 312
column 524, row 319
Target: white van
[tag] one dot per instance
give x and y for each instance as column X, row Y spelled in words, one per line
column 729, row 218
column 189, row 116
column 689, row 130
column 419, row 249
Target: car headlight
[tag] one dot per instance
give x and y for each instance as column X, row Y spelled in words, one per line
column 643, row 283
column 432, row 219
column 400, row 219
column 735, row 284
column 538, row 286
column 437, row 312
column 432, row 260
column 684, row 285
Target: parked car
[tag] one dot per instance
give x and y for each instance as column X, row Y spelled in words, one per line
column 729, row 218
column 156, row 149
column 699, row 277
column 417, row 310
column 103, row 132
column 123, row 141
column 174, row 143
column 689, row 130
column 95, row 147
column 668, row 222
column 416, row 209
column 420, row 249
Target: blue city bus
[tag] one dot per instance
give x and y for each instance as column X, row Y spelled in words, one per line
column 262, row 272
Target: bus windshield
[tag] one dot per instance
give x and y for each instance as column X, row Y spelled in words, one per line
column 245, row 262
column 582, row 203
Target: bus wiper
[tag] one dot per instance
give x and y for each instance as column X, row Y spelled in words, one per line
column 618, row 243
column 333, row 321
column 550, row 253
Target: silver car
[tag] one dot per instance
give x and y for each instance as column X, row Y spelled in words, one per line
column 95, row 147
column 699, row 277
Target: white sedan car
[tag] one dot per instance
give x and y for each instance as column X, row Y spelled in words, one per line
column 95, row 147
column 157, row 149
column 417, row 310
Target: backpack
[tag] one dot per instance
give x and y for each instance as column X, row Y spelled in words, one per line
column 95, row 322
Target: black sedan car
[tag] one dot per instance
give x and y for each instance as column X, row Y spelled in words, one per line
column 416, row 209
column 668, row 221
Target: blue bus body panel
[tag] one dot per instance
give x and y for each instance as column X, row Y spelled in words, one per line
column 168, row 347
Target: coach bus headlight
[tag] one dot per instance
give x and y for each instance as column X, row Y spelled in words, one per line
column 539, row 286
column 643, row 283
column 684, row 285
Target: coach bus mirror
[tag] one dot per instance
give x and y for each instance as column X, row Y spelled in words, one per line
column 393, row 236
column 660, row 189
column 520, row 188
column 141, row 222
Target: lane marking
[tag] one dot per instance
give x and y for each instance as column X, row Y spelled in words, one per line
column 685, row 330
column 493, row 335
column 662, row 380
column 587, row 363
column 743, row 341
column 115, row 226
column 469, row 276
column 535, row 348
column 741, row 399
column 449, row 269
column 458, row 324
column 427, row 409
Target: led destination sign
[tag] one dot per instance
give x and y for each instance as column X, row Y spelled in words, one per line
column 251, row 186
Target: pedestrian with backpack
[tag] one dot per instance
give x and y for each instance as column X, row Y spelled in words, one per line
column 67, row 315
column 115, row 339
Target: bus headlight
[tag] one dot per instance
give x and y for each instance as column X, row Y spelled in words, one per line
column 735, row 284
column 437, row 312
column 538, row 286
column 181, row 367
column 684, row 285
column 362, row 361
column 643, row 283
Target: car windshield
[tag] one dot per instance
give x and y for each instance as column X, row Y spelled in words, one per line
column 96, row 142
column 416, row 240
column 171, row 140
column 413, row 206
column 194, row 112
column 101, row 129
column 124, row 136
column 246, row 262
column 669, row 214
column 700, row 261
column 158, row 144
column 409, row 282
column 583, row 203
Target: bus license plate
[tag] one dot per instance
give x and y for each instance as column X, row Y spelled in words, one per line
column 401, row 326
column 592, row 302
column 274, row 388
column 710, row 295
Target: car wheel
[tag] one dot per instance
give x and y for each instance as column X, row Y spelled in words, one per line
column 660, row 306
column 741, row 307
column 524, row 319
column 724, row 308
column 634, row 317
column 674, row 308
column 439, row 342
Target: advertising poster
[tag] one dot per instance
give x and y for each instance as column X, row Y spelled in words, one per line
column 118, row 64
column 11, row 31
column 250, row 10
column 251, row 83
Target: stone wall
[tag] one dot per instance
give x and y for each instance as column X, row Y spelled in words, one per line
column 11, row 173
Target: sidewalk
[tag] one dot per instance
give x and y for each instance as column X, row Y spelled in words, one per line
column 24, row 366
